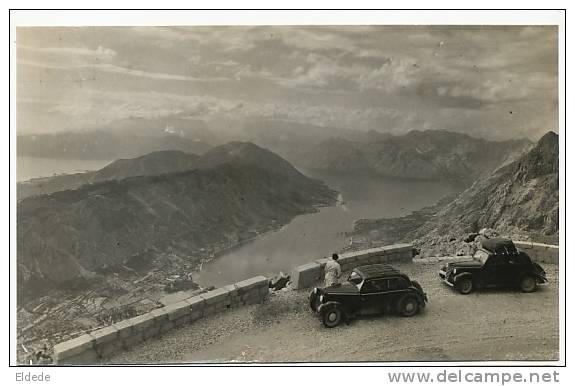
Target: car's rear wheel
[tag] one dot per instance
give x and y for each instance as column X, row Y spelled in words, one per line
column 332, row 317
column 465, row 285
column 408, row 306
column 528, row 283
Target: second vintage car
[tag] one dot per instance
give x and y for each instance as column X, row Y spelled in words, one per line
column 496, row 264
column 377, row 288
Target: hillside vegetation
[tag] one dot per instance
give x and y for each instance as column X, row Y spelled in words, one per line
column 239, row 191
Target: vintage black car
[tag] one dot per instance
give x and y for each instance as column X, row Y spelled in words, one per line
column 496, row 264
column 369, row 289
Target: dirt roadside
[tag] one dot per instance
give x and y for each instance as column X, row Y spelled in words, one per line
column 488, row 325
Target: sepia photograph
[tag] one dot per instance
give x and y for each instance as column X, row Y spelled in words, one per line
column 287, row 194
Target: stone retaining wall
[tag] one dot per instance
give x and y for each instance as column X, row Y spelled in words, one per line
column 545, row 253
column 90, row 348
column 437, row 259
column 306, row 275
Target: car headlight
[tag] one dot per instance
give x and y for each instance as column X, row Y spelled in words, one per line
column 454, row 271
column 321, row 298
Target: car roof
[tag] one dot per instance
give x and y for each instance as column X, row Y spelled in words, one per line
column 377, row 271
column 499, row 246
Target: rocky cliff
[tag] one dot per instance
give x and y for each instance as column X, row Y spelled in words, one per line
column 425, row 155
column 520, row 199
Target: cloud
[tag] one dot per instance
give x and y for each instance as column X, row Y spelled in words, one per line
column 386, row 77
column 114, row 69
column 322, row 72
column 100, row 53
column 96, row 108
column 154, row 75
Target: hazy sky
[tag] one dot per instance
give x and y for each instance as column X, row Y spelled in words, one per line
column 498, row 82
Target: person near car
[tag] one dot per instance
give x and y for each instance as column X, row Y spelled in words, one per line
column 332, row 271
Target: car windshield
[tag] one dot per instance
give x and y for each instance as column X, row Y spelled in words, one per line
column 481, row 256
column 355, row 279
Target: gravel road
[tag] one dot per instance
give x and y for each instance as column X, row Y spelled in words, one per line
column 488, row 325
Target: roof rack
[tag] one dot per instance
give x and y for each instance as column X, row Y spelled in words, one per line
column 377, row 270
column 499, row 246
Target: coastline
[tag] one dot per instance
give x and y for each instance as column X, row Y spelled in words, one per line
column 217, row 253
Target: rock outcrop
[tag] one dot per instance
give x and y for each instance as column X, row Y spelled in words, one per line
column 519, row 200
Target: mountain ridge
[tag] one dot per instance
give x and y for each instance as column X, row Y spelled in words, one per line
column 424, row 155
column 103, row 144
column 519, row 200
column 521, row 196
column 160, row 162
column 73, row 235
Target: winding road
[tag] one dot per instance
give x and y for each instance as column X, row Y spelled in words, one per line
column 488, row 325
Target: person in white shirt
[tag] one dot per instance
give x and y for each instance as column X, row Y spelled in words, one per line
column 332, row 271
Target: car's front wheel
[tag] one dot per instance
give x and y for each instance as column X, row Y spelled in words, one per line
column 528, row 284
column 332, row 317
column 465, row 285
column 408, row 306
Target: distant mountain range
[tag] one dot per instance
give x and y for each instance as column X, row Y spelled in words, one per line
column 136, row 137
column 104, row 145
column 161, row 162
column 291, row 140
column 232, row 193
column 520, row 199
column 175, row 202
column 424, row 155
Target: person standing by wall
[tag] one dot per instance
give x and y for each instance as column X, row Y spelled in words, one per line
column 332, row 271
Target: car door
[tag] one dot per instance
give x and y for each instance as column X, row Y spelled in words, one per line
column 497, row 271
column 519, row 265
column 396, row 288
column 373, row 296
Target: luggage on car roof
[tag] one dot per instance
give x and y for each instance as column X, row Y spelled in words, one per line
column 499, row 246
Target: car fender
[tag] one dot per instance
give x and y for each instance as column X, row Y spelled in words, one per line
column 462, row 275
column 540, row 278
column 330, row 304
column 419, row 290
column 539, row 273
column 312, row 299
column 416, row 295
column 420, row 296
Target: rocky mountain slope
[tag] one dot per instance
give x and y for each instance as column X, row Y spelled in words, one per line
column 520, row 199
column 522, row 196
column 239, row 192
column 425, row 155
